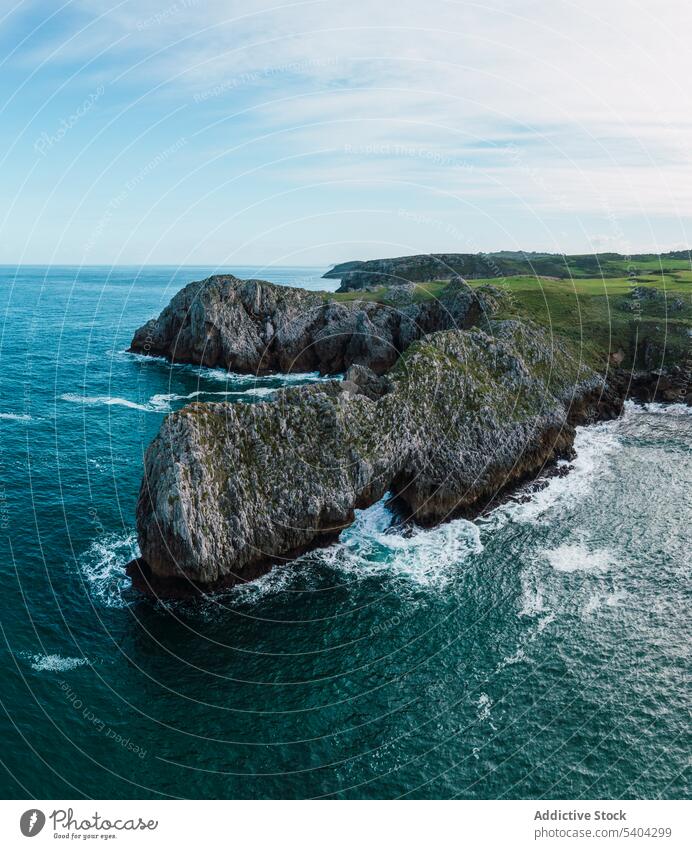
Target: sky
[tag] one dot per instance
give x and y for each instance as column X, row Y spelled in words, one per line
column 313, row 132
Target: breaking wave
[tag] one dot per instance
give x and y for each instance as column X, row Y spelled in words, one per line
column 103, row 568
column 375, row 546
column 108, row 400
column 217, row 373
column 243, row 385
column 663, row 409
column 595, row 447
column 16, row 417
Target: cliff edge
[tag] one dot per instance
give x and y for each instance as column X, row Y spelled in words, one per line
column 447, row 401
column 230, row 490
column 256, row 327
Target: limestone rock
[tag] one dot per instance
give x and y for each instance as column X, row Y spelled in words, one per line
column 256, row 327
column 229, row 490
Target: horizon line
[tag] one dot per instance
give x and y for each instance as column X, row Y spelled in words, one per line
column 241, row 264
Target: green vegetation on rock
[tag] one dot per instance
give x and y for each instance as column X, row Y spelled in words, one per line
column 454, row 390
column 602, row 316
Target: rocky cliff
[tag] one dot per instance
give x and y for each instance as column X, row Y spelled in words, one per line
column 230, row 490
column 255, row 327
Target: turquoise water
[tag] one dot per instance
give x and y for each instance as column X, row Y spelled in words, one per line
column 540, row 652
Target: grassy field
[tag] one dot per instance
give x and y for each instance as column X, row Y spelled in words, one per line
column 599, row 314
column 597, row 266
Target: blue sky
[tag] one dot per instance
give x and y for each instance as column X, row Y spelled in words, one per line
column 224, row 133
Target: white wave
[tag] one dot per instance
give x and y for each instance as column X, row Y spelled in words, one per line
column 207, row 372
column 532, row 606
column 161, row 402
column 307, row 377
column 261, row 391
column 595, row 446
column 597, row 600
column 108, row 400
column 519, row 656
column 427, row 557
column 56, row 663
column 210, row 373
column 544, row 622
column 665, row 409
column 279, row 579
column 577, row 557
column 371, row 547
column 124, row 354
column 16, row 417
column 103, row 568
column 614, row 599
column 216, row 373
column 600, row 599
column 591, row 605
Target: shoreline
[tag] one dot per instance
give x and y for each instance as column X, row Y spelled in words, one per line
column 184, row 588
column 446, row 403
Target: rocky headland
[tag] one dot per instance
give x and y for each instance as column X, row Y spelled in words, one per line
column 445, row 403
column 256, row 327
column 420, row 268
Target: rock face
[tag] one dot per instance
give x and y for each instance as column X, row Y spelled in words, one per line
column 255, row 327
column 230, row 490
column 674, row 385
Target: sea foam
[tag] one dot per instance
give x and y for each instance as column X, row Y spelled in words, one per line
column 56, row 663
column 427, row 557
column 103, row 567
column 108, row 400
column 243, row 385
column 374, row 546
column 16, row 417
column 577, row 557
column 595, row 447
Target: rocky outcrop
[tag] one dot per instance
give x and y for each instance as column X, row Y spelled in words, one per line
column 230, row 490
column 256, row 327
column 640, row 296
column 672, row 385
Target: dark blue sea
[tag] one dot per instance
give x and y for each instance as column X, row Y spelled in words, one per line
column 540, row 652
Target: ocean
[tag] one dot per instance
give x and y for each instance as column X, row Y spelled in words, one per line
column 539, row 652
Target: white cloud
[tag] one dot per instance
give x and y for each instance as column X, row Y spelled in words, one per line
column 569, row 107
column 586, row 65
column 588, row 88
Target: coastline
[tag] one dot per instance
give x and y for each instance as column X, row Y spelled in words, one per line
column 576, row 581
column 184, row 587
column 223, row 500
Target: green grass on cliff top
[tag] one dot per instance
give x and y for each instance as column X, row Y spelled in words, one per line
column 592, row 311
